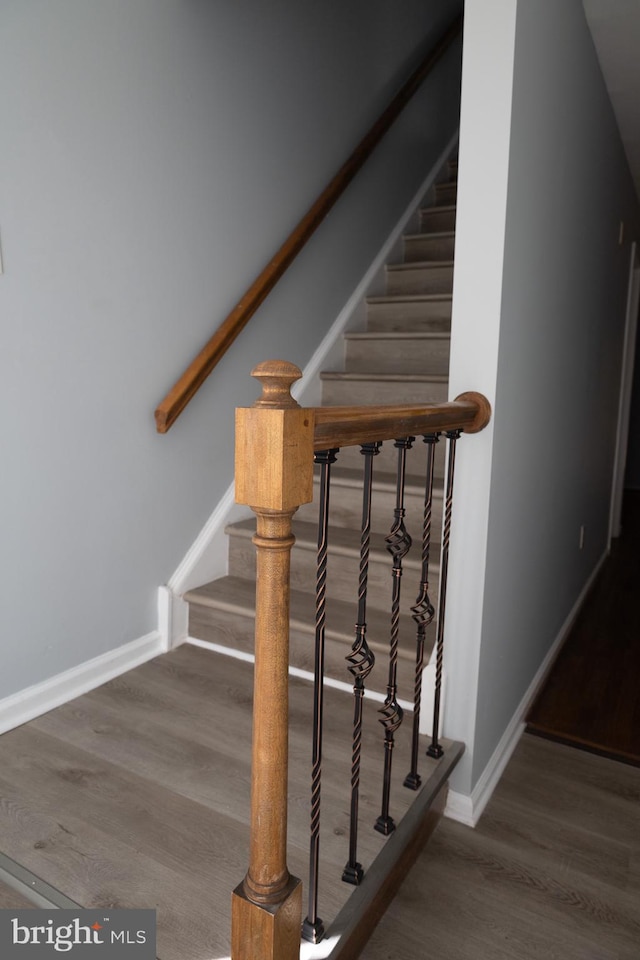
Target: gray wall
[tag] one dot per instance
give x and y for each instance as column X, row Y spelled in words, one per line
column 562, row 323
column 153, row 154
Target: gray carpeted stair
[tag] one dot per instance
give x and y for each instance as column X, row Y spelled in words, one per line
column 401, row 357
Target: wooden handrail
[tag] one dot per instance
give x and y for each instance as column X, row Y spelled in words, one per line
column 346, row 426
column 197, row 372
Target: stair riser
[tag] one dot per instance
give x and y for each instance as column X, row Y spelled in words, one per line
column 420, row 280
column 237, row 632
column 386, row 461
column 446, row 193
column 399, row 356
column 433, row 220
column 428, row 248
column 415, row 316
column 346, row 510
column 342, row 573
column 368, row 392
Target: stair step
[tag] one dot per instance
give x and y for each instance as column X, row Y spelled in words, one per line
column 223, row 612
column 426, row 312
column 438, row 219
column 429, row 246
column 446, row 192
column 386, row 460
column 342, row 566
column 421, row 277
column 397, row 352
column 345, row 509
column 366, row 389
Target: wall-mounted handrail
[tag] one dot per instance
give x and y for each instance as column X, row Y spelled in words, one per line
column 197, row 372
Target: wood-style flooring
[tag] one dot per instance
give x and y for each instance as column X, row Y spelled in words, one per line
column 137, row 794
column 551, row 872
column 592, row 696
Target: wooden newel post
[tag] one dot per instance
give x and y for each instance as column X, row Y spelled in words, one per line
column 274, row 476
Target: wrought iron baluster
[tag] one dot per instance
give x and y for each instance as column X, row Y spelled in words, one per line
column 423, row 611
column 313, row 927
column 435, row 748
column 361, row 661
column 398, row 545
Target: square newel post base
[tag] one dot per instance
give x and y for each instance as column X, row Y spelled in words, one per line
column 266, row 931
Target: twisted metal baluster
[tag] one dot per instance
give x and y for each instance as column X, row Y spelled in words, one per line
column 398, row 545
column 361, row 661
column 313, row 927
column 423, row 612
column 435, row 748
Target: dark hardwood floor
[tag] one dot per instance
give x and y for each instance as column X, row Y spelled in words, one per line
column 592, row 696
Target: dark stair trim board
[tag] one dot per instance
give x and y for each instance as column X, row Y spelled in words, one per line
column 39, row 892
column 358, row 918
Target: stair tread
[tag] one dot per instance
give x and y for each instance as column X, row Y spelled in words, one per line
column 398, row 335
column 420, row 265
column 410, row 298
column 342, row 540
column 435, row 235
column 440, row 208
column 237, row 595
column 382, row 480
column 386, row 377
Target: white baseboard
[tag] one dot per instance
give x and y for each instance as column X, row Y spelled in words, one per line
column 468, row 809
column 33, row 701
column 173, row 618
column 206, row 559
column 295, row 672
column 429, row 697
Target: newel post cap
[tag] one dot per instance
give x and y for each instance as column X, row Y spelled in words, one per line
column 274, row 443
column 277, row 377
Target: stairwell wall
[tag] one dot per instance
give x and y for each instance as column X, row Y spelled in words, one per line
column 154, row 154
column 552, row 353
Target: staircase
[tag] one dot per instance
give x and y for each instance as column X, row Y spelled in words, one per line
column 402, row 357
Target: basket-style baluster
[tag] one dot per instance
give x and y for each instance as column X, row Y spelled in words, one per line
column 423, row 612
column 361, row 661
column 313, row 927
column 398, row 545
column 435, row 748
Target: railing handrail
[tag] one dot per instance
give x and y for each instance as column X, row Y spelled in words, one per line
column 349, row 426
column 199, row 369
column 275, row 442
